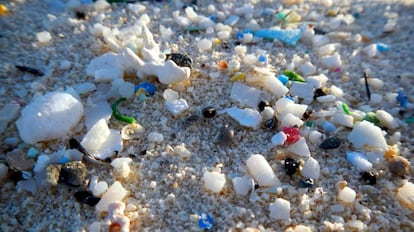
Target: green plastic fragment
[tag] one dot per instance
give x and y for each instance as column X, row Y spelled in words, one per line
column 409, row 120
column 294, row 76
column 309, row 124
column 346, row 109
column 32, row 152
column 118, row 115
column 371, row 117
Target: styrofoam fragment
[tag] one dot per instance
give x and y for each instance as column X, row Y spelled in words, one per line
column 290, row 120
column 302, row 90
column 246, row 117
column 245, row 94
column 307, row 68
column 318, row 81
column 366, row 135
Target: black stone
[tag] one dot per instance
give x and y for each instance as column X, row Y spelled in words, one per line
column 73, row 174
column 86, row 197
column 80, row 15
column 319, row 31
column 263, row 104
column 307, row 114
column 369, row 178
column 307, row 183
column 271, row 123
column 331, row 143
column 291, row 166
column 318, row 93
column 180, row 59
column 16, row 176
column 209, row 112
column 226, row 136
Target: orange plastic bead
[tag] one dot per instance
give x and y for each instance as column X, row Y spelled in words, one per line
column 223, row 64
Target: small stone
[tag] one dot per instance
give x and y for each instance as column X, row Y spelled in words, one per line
column 17, row 160
column 311, row 169
column 369, row 177
column 242, row 185
column 386, row 119
column 73, row 174
column 155, row 137
column 209, row 112
column 346, row 195
column 405, row 194
column 280, row 209
column 292, row 134
column 176, row 107
column 399, row 166
column 291, row 166
column 180, row 59
column 132, row 131
column 44, row 37
column 204, row 44
column 214, row 181
column 331, row 143
column 318, row 93
column 86, row 197
column 226, row 136
column 307, row 183
column 271, row 123
column 262, row 105
column 3, row 171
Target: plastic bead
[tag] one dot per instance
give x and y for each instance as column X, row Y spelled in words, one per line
column 291, row 166
column 209, row 112
column 283, row 78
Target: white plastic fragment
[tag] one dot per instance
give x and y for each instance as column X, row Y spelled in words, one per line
column 121, row 166
column 176, row 107
column 375, row 98
column 367, row 136
column 279, row 139
column 170, row 95
column 261, row 171
column 315, row 136
column 318, row 81
column 307, row 68
column 346, row 195
column 359, row 160
column 214, row 181
column 101, row 142
column 302, row 90
column 245, row 94
column 290, row 120
column 204, row 44
column 242, row 185
column 280, row 209
column 371, row 50
column 182, row 152
column 331, row 62
column 326, row 98
column 267, row 113
column 49, row 117
column 155, row 137
column 311, row 168
column 100, row 188
column 43, row 37
column 343, row 119
column 115, row 193
column 286, row 105
column 116, row 216
column 246, row 117
column 96, row 112
column 108, row 74
column 386, row 119
column 326, row 49
column 85, row 87
column 300, row 148
column 405, row 194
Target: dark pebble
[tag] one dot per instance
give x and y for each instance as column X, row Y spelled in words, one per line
column 271, row 123
column 331, row 143
column 73, row 174
column 209, row 112
column 318, row 93
column 191, row 120
column 86, row 197
column 319, row 31
column 399, row 166
column 180, row 59
column 369, row 178
column 263, row 104
column 307, row 183
column 80, row 15
column 226, row 136
column 33, row 71
column 291, row 166
column 307, row 114
column 16, row 176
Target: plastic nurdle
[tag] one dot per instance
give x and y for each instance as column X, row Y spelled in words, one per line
column 118, row 115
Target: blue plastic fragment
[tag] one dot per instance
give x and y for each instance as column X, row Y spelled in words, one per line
column 328, row 126
column 64, row 160
column 239, row 35
column 148, row 87
column 205, row 221
column 213, row 18
column 383, row 47
column 283, row 78
column 86, row 1
column 402, row 98
column 290, row 98
column 263, row 58
column 232, row 20
column 290, row 37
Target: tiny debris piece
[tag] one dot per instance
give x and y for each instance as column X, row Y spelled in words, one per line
column 318, row 93
column 293, row 76
column 118, row 115
column 191, row 120
column 292, row 133
column 223, row 64
column 367, row 86
column 205, row 221
column 73, row 174
column 86, row 197
column 291, row 166
column 289, row 37
column 209, row 112
column 331, row 143
column 307, row 183
column 238, row 76
column 271, row 123
column 399, row 166
column 180, row 59
column 280, row 209
column 261, row 171
column 132, row 131
column 263, row 104
column 402, row 98
column 346, row 109
column 148, row 87
column 80, row 15
column 33, row 71
column 226, row 136
column 405, row 195
column 307, row 114
column 3, row 10
column 371, row 117
column 369, row 177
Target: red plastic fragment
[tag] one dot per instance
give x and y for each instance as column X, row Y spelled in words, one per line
column 293, row 135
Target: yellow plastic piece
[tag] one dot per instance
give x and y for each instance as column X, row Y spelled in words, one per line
column 139, row 92
column 238, row 77
column 3, row 10
column 217, row 41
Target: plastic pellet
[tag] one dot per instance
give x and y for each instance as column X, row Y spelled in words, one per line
column 118, row 115
column 294, row 76
column 238, row 77
column 3, row 10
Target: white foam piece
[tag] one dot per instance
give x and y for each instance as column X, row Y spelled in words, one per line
column 121, row 165
column 326, row 49
column 386, row 119
column 319, row 40
column 114, row 193
column 96, row 112
column 101, row 142
column 246, row 117
column 366, row 135
column 280, row 209
column 405, row 194
column 307, row 68
column 261, row 171
column 318, row 81
column 347, row 195
column 99, row 188
column 204, row 44
column 44, row 37
column 343, row 119
column 244, row 94
column 371, row 50
column 333, row 61
column 176, row 107
column 359, row 160
column 300, row 148
column 302, row 90
column 279, row 139
column 170, row 95
column 49, row 117
column 242, row 185
column 311, row 168
column 214, row 181
column 290, row 120
column 85, row 87
column 274, row 86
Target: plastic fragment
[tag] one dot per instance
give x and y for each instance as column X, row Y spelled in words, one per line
column 359, row 160
column 283, row 78
column 294, row 76
column 148, row 87
column 331, row 143
column 206, row 221
column 371, row 117
column 118, row 115
column 180, row 59
column 3, row 10
column 33, row 71
column 238, row 77
column 383, row 47
column 289, row 37
column 345, row 109
column 292, row 134
column 232, row 20
column 402, row 98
